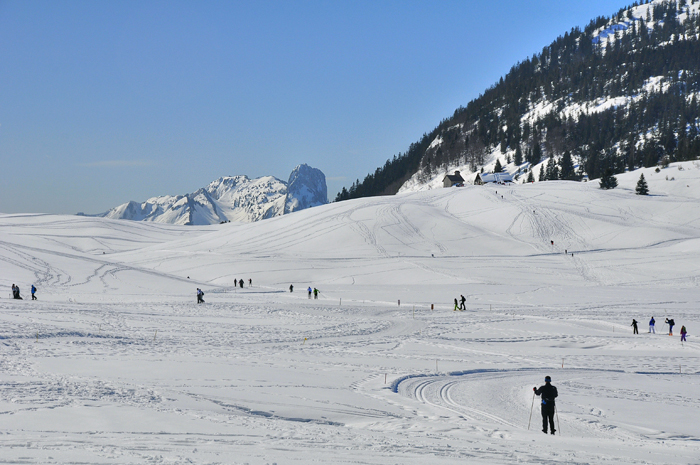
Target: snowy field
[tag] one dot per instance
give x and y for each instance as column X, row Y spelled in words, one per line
column 116, row 364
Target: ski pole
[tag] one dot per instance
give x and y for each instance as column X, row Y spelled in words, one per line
column 557, row 413
column 531, row 407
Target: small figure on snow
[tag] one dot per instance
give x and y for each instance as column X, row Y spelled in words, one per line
column 240, row 283
column 652, row 322
column 33, row 292
column 634, row 326
column 683, row 333
column 461, row 302
column 456, row 306
column 250, row 282
column 316, row 291
column 309, row 289
column 548, row 392
column 291, row 288
column 200, row 296
column 671, row 323
column 15, row 292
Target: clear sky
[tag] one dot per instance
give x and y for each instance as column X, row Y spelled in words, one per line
column 105, row 102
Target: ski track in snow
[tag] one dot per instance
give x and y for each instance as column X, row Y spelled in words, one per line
column 117, row 364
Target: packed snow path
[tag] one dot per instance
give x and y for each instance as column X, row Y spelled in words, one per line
column 115, row 363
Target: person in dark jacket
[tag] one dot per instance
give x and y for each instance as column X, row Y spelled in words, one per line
column 548, row 392
column 634, row 326
column 461, row 302
column 200, row 296
column 291, row 288
column 670, row 326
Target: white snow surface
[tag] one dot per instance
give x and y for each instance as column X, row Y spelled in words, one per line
column 117, row 364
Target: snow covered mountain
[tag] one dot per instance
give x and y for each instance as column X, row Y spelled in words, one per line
column 231, row 198
column 620, row 94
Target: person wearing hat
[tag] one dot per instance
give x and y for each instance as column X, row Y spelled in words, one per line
column 548, row 394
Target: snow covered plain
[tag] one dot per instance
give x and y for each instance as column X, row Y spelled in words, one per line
column 116, row 364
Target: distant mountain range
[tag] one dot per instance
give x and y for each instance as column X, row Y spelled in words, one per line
column 621, row 94
column 231, row 198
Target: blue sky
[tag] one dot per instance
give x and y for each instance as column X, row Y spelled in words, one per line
column 105, row 102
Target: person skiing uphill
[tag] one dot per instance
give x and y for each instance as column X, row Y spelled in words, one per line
column 683, row 333
column 33, row 292
column 548, row 392
column 652, row 322
column 316, row 291
column 634, row 326
column 671, row 323
column 461, row 302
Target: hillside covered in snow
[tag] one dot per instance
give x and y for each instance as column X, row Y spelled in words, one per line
column 620, row 94
column 231, row 198
column 115, row 363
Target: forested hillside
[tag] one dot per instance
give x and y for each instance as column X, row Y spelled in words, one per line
column 620, row 94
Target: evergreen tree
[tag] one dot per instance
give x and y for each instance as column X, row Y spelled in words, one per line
column 552, row 173
column 518, row 159
column 608, row 181
column 498, row 168
column 642, row 188
column 541, row 176
column 566, row 166
column 530, row 177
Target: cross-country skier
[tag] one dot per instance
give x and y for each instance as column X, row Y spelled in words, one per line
column 200, row 296
column 456, row 306
column 240, row 282
column 461, row 302
column 309, row 289
column 33, row 292
column 671, row 323
column 683, row 333
column 634, row 326
column 15, row 292
column 250, row 282
column 548, row 392
column 316, row 291
column 291, row 288
column 652, row 322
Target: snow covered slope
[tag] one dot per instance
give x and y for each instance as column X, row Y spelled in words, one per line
column 231, row 198
column 116, row 364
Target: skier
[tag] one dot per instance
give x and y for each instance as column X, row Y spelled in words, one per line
column 456, row 306
column 309, row 289
column 683, row 333
column 15, row 293
column 671, row 323
column 461, row 302
column 316, row 291
column 250, row 282
column 240, row 282
column 548, row 393
column 291, row 288
column 652, row 322
column 33, row 292
column 200, row 296
column 634, row 325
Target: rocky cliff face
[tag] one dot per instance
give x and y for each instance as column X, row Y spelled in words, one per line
column 231, row 198
column 306, row 188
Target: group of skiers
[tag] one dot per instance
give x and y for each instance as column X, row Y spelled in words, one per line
column 460, row 306
column 652, row 327
column 313, row 291
column 16, row 294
